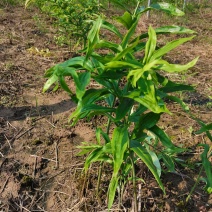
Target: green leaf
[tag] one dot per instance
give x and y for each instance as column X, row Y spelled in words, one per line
column 146, row 95
column 204, row 128
column 99, row 154
column 168, row 47
column 207, row 165
column 82, row 80
column 97, row 108
column 122, row 65
column 98, row 135
column 168, row 8
column 169, row 86
column 64, row 85
column 103, row 134
column 50, row 82
column 174, row 30
column 112, row 190
column 168, row 162
column 92, row 95
column 165, row 140
column 119, row 144
column 173, row 68
column 111, row 27
column 87, row 148
column 135, row 116
column 178, row 100
column 112, row 74
column 150, row 45
column 126, row 51
column 130, row 32
column 93, row 36
column 136, row 74
column 109, row 45
column 121, row 4
column 167, row 29
column 155, row 161
column 143, row 154
column 74, row 62
column 110, row 100
column 202, row 124
column 49, row 72
column 148, row 120
column 123, row 108
column 125, row 20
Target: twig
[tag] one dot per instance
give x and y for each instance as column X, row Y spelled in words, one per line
column 59, row 192
column 53, row 175
column 8, row 123
column 78, row 204
column 8, row 141
column 196, row 183
column 1, row 154
column 50, row 123
column 2, row 162
column 52, row 117
column 5, row 184
column 24, row 132
column 22, row 207
column 43, row 158
column 56, row 155
column 14, row 137
column 139, row 197
column 34, row 170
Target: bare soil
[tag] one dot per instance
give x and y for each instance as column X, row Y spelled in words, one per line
column 39, row 166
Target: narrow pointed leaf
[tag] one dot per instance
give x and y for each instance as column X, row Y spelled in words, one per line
column 155, row 161
column 122, row 65
column 119, row 145
column 99, row 108
column 123, row 108
column 111, row 28
column 150, row 45
column 112, row 190
column 167, row 29
column 50, row 82
column 168, row 8
column 175, row 68
column 64, row 85
column 207, row 166
column 129, row 34
column 204, row 129
column 168, row 47
column 168, row 162
column 174, row 30
column 143, row 154
column 165, row 140
column 109, row 45
column 179, row 101
column 148, row 120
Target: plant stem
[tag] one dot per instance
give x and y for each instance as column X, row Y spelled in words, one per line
column 192, row 190
column 99, row 179
column 134, row 183
column 135, row 11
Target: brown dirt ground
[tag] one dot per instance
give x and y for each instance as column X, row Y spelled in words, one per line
column 39, row 168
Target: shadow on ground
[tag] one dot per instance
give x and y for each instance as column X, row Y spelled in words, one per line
column 20, row 113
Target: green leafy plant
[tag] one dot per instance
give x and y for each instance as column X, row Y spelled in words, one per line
column 70, row 17
column 207, row 154
column 132, row 94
